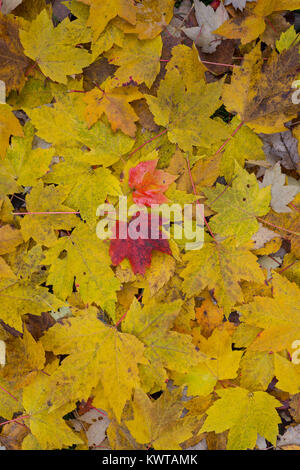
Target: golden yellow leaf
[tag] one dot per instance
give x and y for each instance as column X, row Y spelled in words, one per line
column 55, row 51
column 278, row 316
column 220, row 266
column 152, row 16
column 138, row 62
column 10, row 237
column 255, row 414
column 115, row 104
column 96, row 352
column 102, row 12
column 221, row 363
column 179, row 108
column 9, row 125
column 160, row 423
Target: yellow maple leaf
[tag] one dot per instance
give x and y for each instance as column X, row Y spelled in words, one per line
column 25, row 164
column 115, row 104
column 164, row 348
column 138, row 62
column 87, row 259
column 88, row 187
column 220, row 266
column 279, row 316
column 246, row 415
column 96, row 352
column 49, row 429
column 25, row 357
column 187, row 61
column 179, row 109
column 10, row 237
column 102, row 12
column 48, row 199
column 64, row 126
column 28, row 298
column 287, row 374
column 245, row 145
column 10, row 402
column 209, row 316
column 152, row 16
column 55, row 51
column 257, row 370
column 9, row 125
column 239, row 205
column 252, row 23
column 159, row 423
column 221, row 363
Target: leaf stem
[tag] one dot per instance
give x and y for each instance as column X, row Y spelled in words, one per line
column 279, row 228
column 148, row 141
column 229, row 138
column 15, row 419
column 6, row 391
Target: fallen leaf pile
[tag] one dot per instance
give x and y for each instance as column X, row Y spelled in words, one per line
column 142, row 343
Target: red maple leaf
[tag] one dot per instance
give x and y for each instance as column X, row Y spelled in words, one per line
column 149, row 184
column 139, row 251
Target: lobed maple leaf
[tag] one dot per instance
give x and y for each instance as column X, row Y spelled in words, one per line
column 148, row 183
column 258, row 89
column 238, row 205
column 255, row 414
column 252, row 23
column 85, row 258
column 55, row 51
column 152, row 16
column 115, row 105
column 47, row 199
column 139, row 62
column 220, row 266
column 137, row 251
column 49, row 429
column 13, row 62
column 25, row 357
column 102, row 12
column 165, row 349
column 25, row 164
column 159, row 423
column 64, row 125
column 257, row 370
column 96, row 352
column 278, row 316
column 179, row 109
column 221, row 363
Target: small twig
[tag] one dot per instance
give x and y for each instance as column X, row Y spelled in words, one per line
column 287, row 267
column 43, row 213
